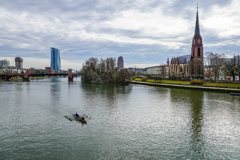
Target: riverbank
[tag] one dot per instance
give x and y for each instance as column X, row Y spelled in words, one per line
column 31, row 78
column 187, row 85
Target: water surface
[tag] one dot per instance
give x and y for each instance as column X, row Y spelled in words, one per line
column 125, row 122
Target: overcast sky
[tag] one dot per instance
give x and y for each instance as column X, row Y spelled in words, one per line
column 144, row 32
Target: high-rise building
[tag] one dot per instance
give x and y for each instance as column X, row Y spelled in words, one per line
column 18, row 63
column 55, row 59
column 120, row 62
column 4, row 63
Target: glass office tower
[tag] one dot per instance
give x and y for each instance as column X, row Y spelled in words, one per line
column 55, row 59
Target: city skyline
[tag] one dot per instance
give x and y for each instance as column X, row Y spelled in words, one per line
column 144, row 33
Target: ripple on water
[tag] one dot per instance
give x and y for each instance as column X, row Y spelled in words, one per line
column 135, row 122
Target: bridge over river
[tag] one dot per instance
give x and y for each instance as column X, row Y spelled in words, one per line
column 26, row 76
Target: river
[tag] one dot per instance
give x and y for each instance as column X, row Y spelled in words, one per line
column 124, row 122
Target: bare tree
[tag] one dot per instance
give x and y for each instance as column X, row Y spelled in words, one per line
column 207, row 67
column 237, row 58
column 232, row 67
column 103, row 71
column 123, row 74
column 216, row 62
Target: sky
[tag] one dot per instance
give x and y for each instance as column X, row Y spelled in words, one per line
column 144, row 32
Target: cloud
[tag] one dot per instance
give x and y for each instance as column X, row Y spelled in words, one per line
column 143, row 31
column 224, row 21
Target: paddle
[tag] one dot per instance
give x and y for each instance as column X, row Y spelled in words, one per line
column 68, row 118
column 85, row 116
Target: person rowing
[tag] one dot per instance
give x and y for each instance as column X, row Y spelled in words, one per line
column 77, row 114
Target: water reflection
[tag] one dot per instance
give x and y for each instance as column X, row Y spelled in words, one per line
column 106, row 90
column 127, row 122
column 104, row 95
column 197, row 141
column 193, row 102
column 55, row 79
column 55, row 88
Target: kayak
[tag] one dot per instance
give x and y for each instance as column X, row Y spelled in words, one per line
column 80, row 119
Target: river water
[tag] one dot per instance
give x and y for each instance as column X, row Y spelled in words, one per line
column 124, row 122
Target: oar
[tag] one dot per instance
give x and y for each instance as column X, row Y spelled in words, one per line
column 68, row 118
column 85, row 116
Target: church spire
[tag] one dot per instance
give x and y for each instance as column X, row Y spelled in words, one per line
column 197, row 29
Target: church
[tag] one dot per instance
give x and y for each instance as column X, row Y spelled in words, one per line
column 190, row 66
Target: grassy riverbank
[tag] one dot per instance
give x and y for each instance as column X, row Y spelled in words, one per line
column 207, row 84
column 225, row 85
column 15, row 79
column 40, row 77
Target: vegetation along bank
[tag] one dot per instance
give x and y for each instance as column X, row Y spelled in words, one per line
column 194, row 84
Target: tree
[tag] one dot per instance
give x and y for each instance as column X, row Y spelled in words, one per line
column 237, row 59
column 103, row 72
column 216, row 63
column 162, row 71
column 208, row 69
column 123, row 75
column 232, row 67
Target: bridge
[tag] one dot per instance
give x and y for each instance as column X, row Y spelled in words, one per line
column 26, row 76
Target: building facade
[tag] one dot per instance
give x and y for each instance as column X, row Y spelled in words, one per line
column 120, row 62
column 48, row 70
column 161, row 71
column 190, row 65
column 2, row 70
column 4, row 63
column 180, row 66
column 55, row 59
column 18, row 63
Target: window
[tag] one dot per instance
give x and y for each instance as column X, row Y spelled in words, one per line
column 198, row 52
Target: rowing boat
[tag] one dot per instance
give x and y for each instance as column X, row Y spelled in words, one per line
column 80, row 119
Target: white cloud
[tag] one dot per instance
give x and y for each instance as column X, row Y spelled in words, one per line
column 71, row 64
column 223, row 21
column 154, row 23
column 146, row 28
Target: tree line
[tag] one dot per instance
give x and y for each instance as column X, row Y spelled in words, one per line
column 217, row 64
column 103, row 71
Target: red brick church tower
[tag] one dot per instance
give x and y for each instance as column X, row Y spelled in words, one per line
column 196, row 62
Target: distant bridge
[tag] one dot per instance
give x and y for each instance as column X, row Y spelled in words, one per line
column 26, row 76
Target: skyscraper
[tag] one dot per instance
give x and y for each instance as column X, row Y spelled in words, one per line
column 120, row 62
column 55, row 59
column 18, row 62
